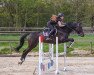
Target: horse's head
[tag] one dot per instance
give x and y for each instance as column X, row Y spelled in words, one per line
column 74, row 26
column 78, row 28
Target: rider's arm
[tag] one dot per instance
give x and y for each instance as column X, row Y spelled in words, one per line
column 60, row 24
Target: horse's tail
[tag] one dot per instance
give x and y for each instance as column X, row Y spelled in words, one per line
column 22, row 39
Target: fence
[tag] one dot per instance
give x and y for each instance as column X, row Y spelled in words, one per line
column 12, row 34
column 29, row 29
column 21, row 30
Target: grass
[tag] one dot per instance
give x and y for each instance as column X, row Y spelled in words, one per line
column 81, row 43
column 9, row 37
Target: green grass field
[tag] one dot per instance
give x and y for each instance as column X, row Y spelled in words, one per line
column 81, row 43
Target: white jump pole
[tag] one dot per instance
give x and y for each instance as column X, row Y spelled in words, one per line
column 57, row 70
column 51, row 62
column 65, row 49
column 40, row 54
column 50, row 46
column 51, row 50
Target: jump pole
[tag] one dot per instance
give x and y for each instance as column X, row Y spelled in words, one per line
column 65, row 50
column 51, row 50
column 40, row 54
column 51, row 47
column 51, row 53
column 57, row 70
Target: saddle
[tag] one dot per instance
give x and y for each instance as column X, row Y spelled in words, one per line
column 46, row 32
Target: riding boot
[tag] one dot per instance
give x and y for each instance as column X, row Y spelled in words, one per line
column 51, row 32
column 48, row 37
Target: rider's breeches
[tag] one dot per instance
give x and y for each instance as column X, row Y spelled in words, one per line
column 52, row 32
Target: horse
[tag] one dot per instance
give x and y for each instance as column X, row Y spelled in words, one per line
column 62, row 34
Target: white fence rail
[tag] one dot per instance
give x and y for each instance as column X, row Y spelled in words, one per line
column 29, row 29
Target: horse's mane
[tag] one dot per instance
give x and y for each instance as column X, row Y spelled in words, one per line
column 69, row 26
column 72, row 25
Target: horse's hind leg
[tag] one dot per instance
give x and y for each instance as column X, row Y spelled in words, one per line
column 26, row 51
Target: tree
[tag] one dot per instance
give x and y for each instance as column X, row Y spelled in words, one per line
column 30, row 13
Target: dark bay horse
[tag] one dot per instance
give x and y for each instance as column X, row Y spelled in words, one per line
column 62, row 33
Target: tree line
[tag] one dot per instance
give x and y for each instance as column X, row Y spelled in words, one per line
column 36, row 13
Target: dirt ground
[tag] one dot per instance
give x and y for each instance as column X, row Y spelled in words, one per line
column 75, row 66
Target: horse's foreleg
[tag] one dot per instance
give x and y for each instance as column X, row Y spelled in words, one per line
column 70, row 45
column 71, row 40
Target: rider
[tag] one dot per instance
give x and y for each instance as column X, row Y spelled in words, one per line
column 55, row 20
column 60, row 20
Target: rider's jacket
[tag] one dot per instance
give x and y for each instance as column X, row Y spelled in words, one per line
column 52, row 24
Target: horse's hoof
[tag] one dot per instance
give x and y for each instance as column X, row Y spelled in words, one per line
column 20, row 63
column 16, row 50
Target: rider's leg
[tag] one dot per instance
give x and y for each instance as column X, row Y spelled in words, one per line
column 50, row 33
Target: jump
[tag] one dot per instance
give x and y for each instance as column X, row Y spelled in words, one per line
column 62, row 33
